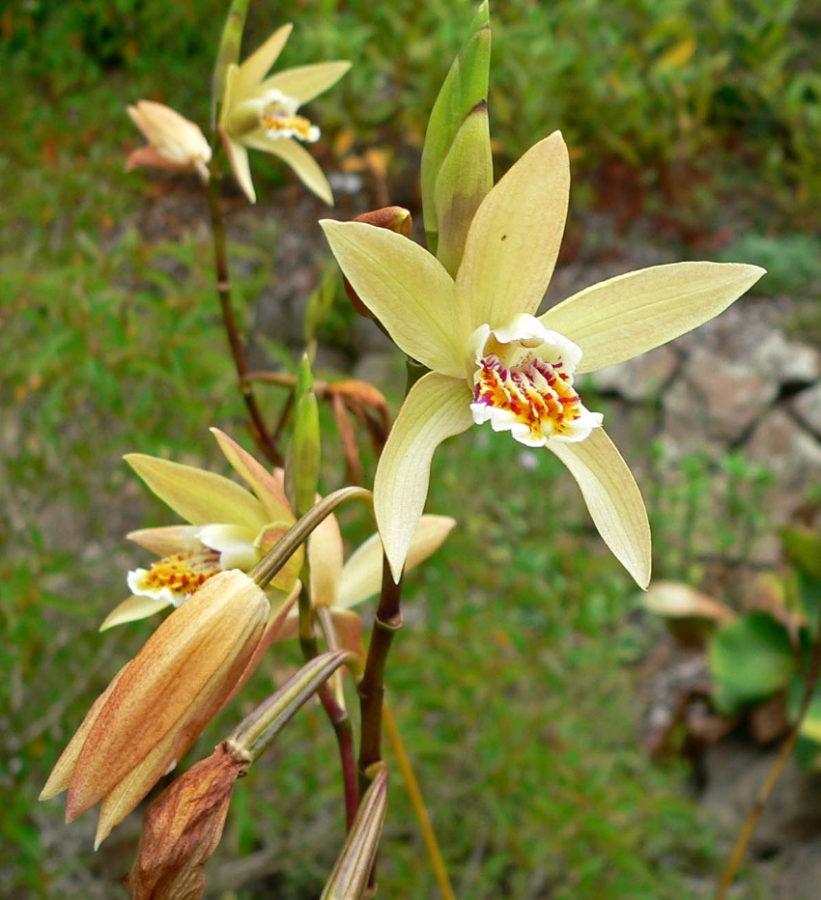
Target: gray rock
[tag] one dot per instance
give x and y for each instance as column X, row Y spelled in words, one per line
column 715, row 400
column 384, row 370
column 735, row 770
column 807, row 407
column 788, row 362
column 793, row 455
column 638, row 379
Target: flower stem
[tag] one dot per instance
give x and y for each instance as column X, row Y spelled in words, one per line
column 440, row 873
column 371, row 686
column 766, row 789
column 260, row 433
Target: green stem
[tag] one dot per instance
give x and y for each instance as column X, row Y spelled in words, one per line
column 298, row 533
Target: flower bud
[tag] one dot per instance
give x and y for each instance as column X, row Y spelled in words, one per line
column 394, row 218
column 304, row 451
column 173, row 142
column 162, row 700
column 183, row 827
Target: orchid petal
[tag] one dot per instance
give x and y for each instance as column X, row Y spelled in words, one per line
column 234, row 543
column 407, row 289
column 362, row 574
column 60, row 777
column 613, row 499
column 630, row 314
column 268, row 488
column 259, row 63
column 348, row 628
column 167, row 540
column 266, row 540
column 240, row 166
column 303, row 83
column 436, row 408
column 297, row 157
column 198, row 496
column 325, row 561
column 132, row 609
column 514, row 239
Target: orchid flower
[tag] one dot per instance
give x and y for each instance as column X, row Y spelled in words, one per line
column 261, row 113
column 230, row 528
column 173, row 142
column 338, row 586
column 492, row 360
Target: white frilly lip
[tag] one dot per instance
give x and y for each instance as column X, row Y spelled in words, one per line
column 529, row 331
column 136, row 579
column 534, row 340
column 234, row 543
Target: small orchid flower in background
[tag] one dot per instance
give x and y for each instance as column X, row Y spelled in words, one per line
column 158, row 704
column 492, row 360
column 174, row 143
column 261, row 113
column 230, row 528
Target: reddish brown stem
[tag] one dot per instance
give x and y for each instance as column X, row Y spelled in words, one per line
column 347, row 752
column 262, row 437
column 371, row 687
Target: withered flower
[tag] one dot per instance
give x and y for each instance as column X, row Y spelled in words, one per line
column 183, row 826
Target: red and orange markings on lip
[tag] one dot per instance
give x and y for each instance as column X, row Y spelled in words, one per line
column 538, row 393
column 182, row 573
column 299, row 124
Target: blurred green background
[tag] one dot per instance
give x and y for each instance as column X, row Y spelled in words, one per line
column 514, row 681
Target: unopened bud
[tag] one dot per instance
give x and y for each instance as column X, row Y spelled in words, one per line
column 302, row 465
column 161, row 701
column 394, row 218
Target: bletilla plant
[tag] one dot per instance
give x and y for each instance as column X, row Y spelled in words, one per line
column 491, row 359
column 257, row 563
column 260, row 113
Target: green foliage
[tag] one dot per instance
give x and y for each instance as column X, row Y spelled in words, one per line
column 792, row 261
column 665, row 86
column 751, row 658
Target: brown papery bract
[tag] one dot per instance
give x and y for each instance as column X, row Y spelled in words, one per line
column 183, row 827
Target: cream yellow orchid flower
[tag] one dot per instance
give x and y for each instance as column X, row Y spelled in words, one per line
column 339, row 586
column 230, row 528
column 174, row 142
column 492, row 360
column 261, row 113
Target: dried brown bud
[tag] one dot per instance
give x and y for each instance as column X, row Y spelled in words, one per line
column 394, row 218
column 182, row 828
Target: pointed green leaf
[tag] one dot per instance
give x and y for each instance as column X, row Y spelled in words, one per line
column 751, row 659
